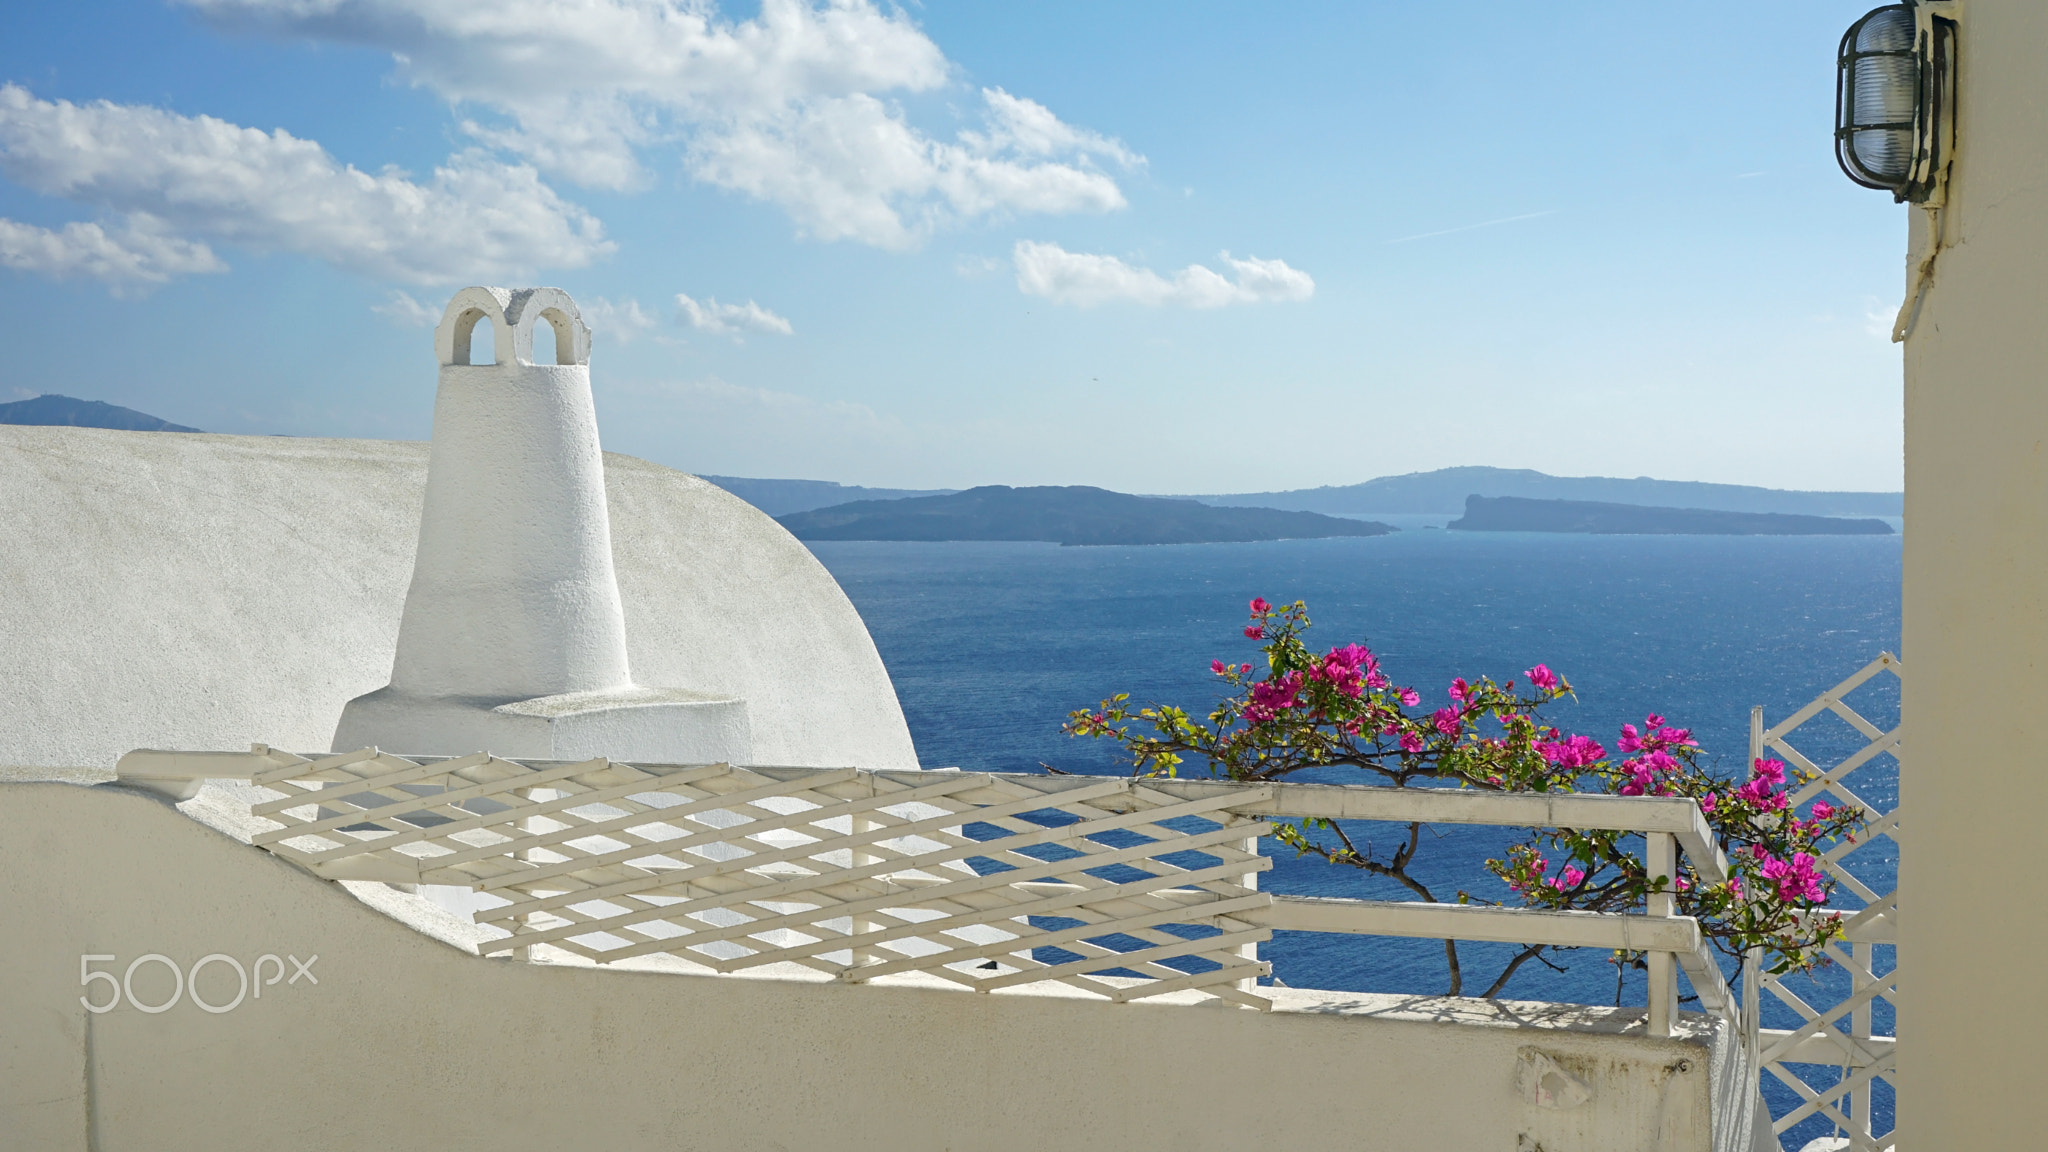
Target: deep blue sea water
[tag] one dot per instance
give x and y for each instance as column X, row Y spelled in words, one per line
column 991, row 644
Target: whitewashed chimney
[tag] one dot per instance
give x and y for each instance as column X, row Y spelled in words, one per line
column 513, row 639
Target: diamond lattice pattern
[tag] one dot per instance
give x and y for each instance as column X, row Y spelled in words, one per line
column 986, row 881
column 1832, row 1059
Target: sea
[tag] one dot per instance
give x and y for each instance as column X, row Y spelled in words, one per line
column 991, row 645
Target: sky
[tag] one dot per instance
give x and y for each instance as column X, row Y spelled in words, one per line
column 1157, row 247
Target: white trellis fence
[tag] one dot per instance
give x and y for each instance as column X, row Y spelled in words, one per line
column 1126, row 888
column 1832, row 1059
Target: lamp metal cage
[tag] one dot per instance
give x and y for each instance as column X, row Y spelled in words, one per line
column 1894, row 100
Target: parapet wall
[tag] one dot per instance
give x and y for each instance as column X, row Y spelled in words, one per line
column 406, row 1041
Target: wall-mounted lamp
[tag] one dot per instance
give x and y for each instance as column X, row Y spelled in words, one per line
column 1895, row 99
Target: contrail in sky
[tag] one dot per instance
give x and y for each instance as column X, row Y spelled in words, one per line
column 1470, row 227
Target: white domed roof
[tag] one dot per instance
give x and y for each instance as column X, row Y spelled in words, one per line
column 196, row 591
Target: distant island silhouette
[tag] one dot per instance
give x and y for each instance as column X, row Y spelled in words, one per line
column 1492, row 499
column 1063, row 515
column 66, row 411
column 1514, row 514
column 781, row 497
column 1440, row 492
column 1443, row 492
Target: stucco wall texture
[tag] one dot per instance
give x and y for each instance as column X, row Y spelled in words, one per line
column 201, row 591
column 407, row 1042
column 1973, row 1013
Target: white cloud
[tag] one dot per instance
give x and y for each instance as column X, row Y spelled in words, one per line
column 134, row 258
column 851, row 168
column 974, row 267
column 1031, row 129
column 1085, row 279
column 791, row 106
column 477, row 219
column 401, row 309
column 621, row 321
column 708, row 315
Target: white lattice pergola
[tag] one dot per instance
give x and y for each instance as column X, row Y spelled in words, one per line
column 1840, row 1064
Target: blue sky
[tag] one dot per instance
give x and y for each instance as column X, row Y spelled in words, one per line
column 1187, row 247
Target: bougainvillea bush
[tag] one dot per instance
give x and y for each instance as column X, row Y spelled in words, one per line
column 1296, row 709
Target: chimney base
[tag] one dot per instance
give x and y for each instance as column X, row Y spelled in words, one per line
column 645, row 725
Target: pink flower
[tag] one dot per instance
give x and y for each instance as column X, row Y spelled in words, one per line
column 1797, row 878
column 1805, row 872
column 1460, row 689
column 1275, row 695
column 1410, row 697
column 1446, row 721
column 1219, row 667
column 1542, row 677
column 1758, row 792
column 1244, row 669
column 1572, row 876
column 1254, row 632
column 1260, row 606
column 1770, row 770
column 1707, row 803
column 1577, row 752
column 1410, row 742
column 1341, row 667
column 1349, row 656
column 1822, row 810
column 1652, row 720
column 1631, row 740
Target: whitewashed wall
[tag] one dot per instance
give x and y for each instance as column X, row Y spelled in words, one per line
column 1973, row 1014
column 406, row 1042
column 197, row 591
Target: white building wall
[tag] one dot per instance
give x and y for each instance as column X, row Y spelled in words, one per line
column 408, row 1042
column 1973, row 1022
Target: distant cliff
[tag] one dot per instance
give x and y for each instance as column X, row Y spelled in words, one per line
column 1071, row 515
column 1514, row 514
column 51, row 408
column 1444, row 490
column 781, row 497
